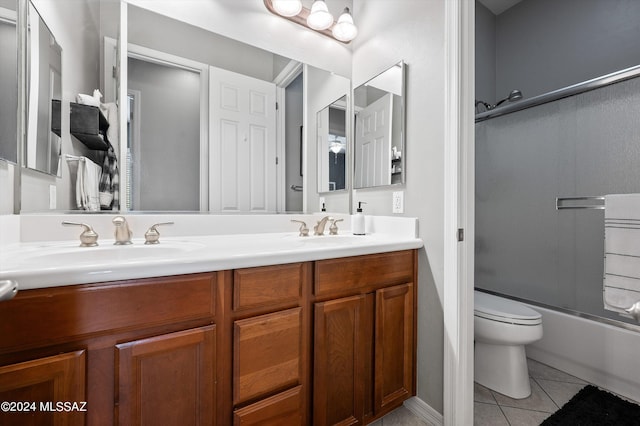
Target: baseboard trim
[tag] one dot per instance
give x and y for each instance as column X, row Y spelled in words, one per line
column 424, row 411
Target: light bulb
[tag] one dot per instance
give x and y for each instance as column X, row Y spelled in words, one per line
column 344, row 29
column 335, row 147
column 287, row 7
column 319, row 18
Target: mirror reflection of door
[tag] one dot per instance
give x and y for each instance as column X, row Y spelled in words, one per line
column 164, row 137
column 373, row 143
column 243, row 143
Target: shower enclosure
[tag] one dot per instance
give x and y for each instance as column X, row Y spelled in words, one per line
column 586, row 145
column 562, row 140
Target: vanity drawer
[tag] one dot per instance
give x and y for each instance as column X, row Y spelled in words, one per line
column 282, row 409
column 342, row 275
column 267, row 286
column 267, row 354
column 60, row 314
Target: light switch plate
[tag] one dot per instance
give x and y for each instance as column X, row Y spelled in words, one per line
column 321, row 202
column 398, row 201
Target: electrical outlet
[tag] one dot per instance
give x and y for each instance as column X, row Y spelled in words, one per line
column 398, row 201
column 52, row 197
column 321, row 204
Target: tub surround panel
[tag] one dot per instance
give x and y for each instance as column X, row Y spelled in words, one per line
column 601, row 354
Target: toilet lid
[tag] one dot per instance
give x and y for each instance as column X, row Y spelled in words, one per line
column 500, row 309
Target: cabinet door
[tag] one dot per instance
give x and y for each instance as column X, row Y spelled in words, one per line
column 167, row 380
column 43, row 383
column 340, row 342
column 394, row 352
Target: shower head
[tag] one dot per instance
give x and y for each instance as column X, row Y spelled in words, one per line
column 515, row 95
column 482, row 106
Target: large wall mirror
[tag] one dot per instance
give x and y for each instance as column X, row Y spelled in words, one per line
column 8, row 81
column 379, row 129
column 190, row 141
column 44, row 96
column 331, row 136
column 204, row 124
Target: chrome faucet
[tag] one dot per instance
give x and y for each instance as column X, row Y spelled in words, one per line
column 88, row 237
column 152, row 236
column 318, row 229
column 123, row 233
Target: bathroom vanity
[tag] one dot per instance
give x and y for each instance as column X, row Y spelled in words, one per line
column 325, row 341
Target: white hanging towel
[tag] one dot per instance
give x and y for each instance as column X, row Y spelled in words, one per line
column 87, row 180
column 622, row 254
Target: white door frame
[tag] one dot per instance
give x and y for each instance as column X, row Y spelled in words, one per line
column 459, row 212
column 162, row 58
column 289, row 73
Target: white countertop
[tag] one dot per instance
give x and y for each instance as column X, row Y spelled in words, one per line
column 42, row 264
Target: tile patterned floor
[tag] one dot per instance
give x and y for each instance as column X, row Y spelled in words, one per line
column 550, row 390
column 400, row 417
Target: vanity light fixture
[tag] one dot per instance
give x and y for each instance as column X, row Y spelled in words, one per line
column 318, row 18
column 287, row 7
column 344, row 30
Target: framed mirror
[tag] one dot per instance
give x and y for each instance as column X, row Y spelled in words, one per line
column 237, row 112
column 379, row 129
column 8, row 81
column 331, row 137
column 44, row 96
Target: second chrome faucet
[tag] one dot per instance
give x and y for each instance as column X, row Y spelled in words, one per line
column 123, row 233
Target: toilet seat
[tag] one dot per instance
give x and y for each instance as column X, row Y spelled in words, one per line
column 499, row 309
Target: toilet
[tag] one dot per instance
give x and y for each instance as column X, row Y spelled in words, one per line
column 502, row 328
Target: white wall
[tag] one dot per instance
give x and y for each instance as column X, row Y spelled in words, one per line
column 413, row 31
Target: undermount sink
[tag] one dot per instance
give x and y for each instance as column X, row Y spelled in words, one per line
column 106, row 253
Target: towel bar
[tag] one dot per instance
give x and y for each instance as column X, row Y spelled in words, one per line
column 561, row 200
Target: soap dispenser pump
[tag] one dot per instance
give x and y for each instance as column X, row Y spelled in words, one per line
column 357, row 220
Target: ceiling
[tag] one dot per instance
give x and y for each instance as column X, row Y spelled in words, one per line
column 499, row 6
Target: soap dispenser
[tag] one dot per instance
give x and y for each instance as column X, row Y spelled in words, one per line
column 357, row 220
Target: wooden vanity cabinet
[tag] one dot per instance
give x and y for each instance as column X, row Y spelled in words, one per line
column 364, row 337
column 270, row 345
column 131, row 350
column 322, row 343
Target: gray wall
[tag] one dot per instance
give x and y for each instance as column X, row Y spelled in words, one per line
column 161, row 33
column 485, row 54
column 170, row 137
column 586, row 145
column 544, row 45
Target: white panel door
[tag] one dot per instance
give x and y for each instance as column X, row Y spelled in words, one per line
column 242, row 154
column 373, row 143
